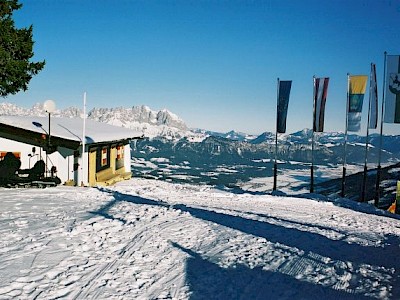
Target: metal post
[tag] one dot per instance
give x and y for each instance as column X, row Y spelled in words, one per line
column 276, row 141
column 312, row 141
column 275, row 163
column 312, row 164
column 49, row 143
column 48, row 150
column 365, row 175
column 84, row 168
column 378, row 170
column 345, row 139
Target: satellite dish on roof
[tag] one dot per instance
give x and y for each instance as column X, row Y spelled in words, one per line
column 49, row 106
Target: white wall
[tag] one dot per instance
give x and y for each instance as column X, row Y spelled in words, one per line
column 59, row 158
column 63, row 159
column 82, row 176
column 127, row 157
column 25, row 149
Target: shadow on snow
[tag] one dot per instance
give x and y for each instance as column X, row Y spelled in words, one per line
column 259, row 283
column 207, row 280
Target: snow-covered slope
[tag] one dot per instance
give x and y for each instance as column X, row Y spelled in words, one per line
column 146, row 239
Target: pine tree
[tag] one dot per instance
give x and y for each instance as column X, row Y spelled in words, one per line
column 16, row 50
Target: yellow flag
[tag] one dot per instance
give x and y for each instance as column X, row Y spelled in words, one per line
column 357, row 87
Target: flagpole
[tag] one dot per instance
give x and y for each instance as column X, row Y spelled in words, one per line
column 276, row 139
column 345, row 138
column 378, row 171
column 365, row 175
column 84, row 167
column 312, row 141
column 312, row 164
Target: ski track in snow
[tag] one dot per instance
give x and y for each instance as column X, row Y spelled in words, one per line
column 146, row 239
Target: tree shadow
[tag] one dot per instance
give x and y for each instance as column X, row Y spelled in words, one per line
column 207, row 280
column 343, row 202
column 305, row 240
column 120, row 197
column 382, row 259
column 239, row 191
column 288, row 221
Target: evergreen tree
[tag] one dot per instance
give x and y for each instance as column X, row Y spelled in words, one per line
column 16, row 50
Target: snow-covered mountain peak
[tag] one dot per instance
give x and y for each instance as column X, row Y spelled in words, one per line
column 11, row 109
column 165, row 117
column 152, row 123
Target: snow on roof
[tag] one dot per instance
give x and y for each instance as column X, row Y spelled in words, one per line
column 71, row 128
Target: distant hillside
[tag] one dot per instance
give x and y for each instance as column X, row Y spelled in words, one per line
column 232, row 135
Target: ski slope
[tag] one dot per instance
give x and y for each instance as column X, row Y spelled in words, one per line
column 148, row 239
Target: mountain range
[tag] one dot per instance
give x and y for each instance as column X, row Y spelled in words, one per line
column 141, row 118
column 169, row 134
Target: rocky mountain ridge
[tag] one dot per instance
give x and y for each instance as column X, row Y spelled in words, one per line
column 141, row 118
column 169, row 134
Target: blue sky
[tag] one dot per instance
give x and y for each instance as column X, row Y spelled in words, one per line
column 213, row 63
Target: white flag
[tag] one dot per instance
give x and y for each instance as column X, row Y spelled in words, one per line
column 392, row 90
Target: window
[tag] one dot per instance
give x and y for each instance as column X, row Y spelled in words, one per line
column 102, row 158
column 120, row 152
column 119, row 161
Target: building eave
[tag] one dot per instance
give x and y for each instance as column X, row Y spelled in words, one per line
column 41, row 139
column 35, row 138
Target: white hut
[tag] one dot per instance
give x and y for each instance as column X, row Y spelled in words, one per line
column 104, row 160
